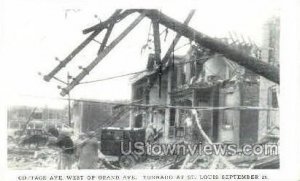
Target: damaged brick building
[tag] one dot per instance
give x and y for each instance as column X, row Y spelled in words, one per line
column 202, row 78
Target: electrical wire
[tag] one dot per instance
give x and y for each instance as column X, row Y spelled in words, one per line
column 119, row 76
column 182, row 46
column 161, row 106
column 114, row 77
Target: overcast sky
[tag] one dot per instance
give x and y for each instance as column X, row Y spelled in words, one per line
column 35, row 32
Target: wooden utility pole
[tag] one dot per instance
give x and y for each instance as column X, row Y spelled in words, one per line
column 101, row 55
column 64, row 62
column 28, row 120
column 69, row 101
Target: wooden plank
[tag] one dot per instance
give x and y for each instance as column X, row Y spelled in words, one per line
column 223, row 159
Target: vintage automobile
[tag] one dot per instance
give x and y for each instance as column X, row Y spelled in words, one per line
column 116, row 139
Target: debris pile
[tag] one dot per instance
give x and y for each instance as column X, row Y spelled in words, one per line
column 27, row 158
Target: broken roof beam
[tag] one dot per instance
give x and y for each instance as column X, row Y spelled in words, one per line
column 102, row 54
column 64, row 62
column 156, row 37
column 157, row 50
column 110, row 20
column 177, row 38
column 255, row 65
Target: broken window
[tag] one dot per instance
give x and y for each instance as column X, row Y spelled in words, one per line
column 274, row 98
column 193, row 67
column 172, row 116
column 228, row 119
column 227, row 116
column 273, row 103
column 138, row 122
column 183, row 75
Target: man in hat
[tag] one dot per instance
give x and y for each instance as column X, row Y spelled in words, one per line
column 65, row 143
column 88, row 152
column 82, row 137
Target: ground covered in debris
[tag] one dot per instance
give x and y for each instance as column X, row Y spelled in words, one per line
column 31, row 158
column 44, row 157
column 25, row 158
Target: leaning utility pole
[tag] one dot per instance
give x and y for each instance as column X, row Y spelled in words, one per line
column 69, row 101
column 101, row 55
column 28, row 120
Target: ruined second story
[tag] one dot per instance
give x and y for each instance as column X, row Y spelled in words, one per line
column 199, row 67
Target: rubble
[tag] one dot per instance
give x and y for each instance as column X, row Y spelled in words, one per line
column 27, row 158
column 47, row 158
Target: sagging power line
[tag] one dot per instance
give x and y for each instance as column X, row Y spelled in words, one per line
column 160, row 106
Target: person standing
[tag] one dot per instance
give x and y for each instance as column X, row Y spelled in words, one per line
column 88, row 152
column 82, row 137
column 149, row 134
column 65, row 143
column 189, row 126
